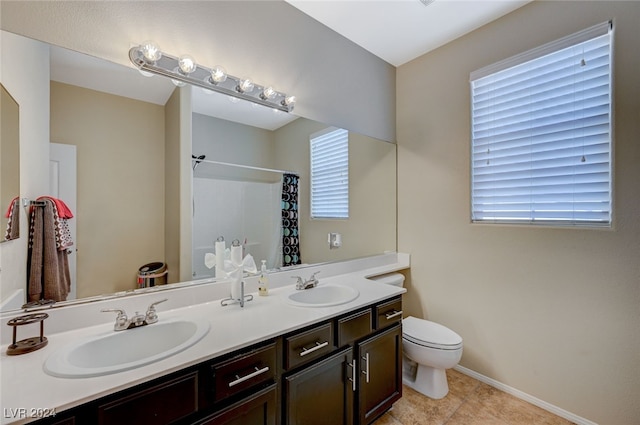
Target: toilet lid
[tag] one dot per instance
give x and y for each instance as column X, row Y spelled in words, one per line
column 430, row 334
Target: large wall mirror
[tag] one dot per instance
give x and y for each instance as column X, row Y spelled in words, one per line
column 112, row 138
column 9, row 166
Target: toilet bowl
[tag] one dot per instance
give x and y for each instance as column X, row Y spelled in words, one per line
column 433, row 348
column 429, row 349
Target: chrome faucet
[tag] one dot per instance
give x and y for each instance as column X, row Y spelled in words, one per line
column 302, row 284
column 123, row 322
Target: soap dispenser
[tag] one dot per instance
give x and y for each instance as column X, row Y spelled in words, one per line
column 263, row 280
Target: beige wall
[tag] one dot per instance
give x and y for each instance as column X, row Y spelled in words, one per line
column 552, row 312
column 371, row 227
column 120, row 175
column 9, row 155
column 178, row 185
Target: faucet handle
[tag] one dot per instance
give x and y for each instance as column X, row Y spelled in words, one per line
column 121, row 319
column 152, row 316
column 313, row 275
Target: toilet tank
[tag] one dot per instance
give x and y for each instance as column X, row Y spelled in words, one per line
column 395, row 279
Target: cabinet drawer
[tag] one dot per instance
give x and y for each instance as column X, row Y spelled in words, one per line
column 354, row 326
column 388, row 313
column 160, row 404
column 244, row 371
column 257, row 409
column 306, row 346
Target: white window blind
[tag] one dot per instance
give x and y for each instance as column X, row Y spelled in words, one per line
column 541, row 134
column 330, row 174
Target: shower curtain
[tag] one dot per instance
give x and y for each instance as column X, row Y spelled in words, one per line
column 290, row 231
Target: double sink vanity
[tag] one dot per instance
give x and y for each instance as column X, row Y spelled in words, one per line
column 329, row 354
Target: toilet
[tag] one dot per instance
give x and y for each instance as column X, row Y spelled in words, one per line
column 429, row 349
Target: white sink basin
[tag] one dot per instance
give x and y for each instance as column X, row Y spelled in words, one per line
column 124, row 350
column 323, row 296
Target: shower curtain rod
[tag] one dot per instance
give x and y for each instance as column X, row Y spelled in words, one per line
column 249, row 167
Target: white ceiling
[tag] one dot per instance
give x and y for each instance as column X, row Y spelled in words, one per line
column 398, row 31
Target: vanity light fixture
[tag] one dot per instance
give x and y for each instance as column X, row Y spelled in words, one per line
column 149, row 59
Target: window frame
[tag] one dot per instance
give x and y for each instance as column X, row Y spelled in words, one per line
column 591, row 33
column 343, row 214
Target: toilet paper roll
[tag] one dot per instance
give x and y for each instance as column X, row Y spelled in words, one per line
column 236, row 255
column 220, row 248
column 236, row 285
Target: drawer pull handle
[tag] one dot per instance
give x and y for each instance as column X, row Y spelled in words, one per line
column 393, row 315
column 353, row 366
column 366, row 371
column 318, row 346
column 249, row 376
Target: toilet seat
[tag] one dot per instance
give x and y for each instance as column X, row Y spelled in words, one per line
column 430, row 334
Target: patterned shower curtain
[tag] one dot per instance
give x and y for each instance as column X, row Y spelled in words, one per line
column 290, row 231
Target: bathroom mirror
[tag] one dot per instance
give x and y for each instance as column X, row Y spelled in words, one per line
column 117, row 127
column 9, row 166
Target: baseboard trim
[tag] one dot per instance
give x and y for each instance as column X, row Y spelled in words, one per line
column 526, row 397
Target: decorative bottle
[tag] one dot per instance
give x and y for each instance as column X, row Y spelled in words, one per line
column 263, row 280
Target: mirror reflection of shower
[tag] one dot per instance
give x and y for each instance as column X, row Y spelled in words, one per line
column 236, row 201
column 196, row 161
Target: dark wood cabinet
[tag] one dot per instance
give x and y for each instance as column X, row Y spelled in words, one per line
column 161, row 404
column 346, row 370
column 247, row 370
column 258, row 409
column 380, row 360
column 321, row 393
column 357, row 384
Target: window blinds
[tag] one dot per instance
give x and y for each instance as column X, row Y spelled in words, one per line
column 541, row 134
column 330, row 174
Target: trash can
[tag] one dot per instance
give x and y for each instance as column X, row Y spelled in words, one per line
column 152, row 274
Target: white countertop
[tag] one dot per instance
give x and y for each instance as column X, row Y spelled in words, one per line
column 24, row 384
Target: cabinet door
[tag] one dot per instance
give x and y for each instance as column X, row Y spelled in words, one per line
column 380, row 380
column 258, row 409
column 158, row 405
column 322, row 393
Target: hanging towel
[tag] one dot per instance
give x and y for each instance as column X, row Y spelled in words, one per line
column 47, row 263
column 13, row 225
column 62, row 208
column 290, row 231
column 61, row 214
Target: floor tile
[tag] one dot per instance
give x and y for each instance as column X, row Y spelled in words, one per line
column 387, row 419
column 469, row 402
column 511, row 409
column 416, row 409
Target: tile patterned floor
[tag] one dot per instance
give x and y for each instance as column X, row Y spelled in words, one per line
column 469, row 402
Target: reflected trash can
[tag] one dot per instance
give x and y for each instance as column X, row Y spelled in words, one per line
column 152, row 274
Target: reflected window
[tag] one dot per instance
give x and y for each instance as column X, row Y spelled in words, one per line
column 330, row 174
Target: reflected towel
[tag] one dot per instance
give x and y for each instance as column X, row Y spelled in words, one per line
column 60, row 214
column 13, row 225
column 47, row 266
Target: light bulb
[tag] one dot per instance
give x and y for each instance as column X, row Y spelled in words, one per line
column 245, row 86
column 289, row 101
column 151, row 51
column 218, row 75
column 187, row 64
column 268, row 93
